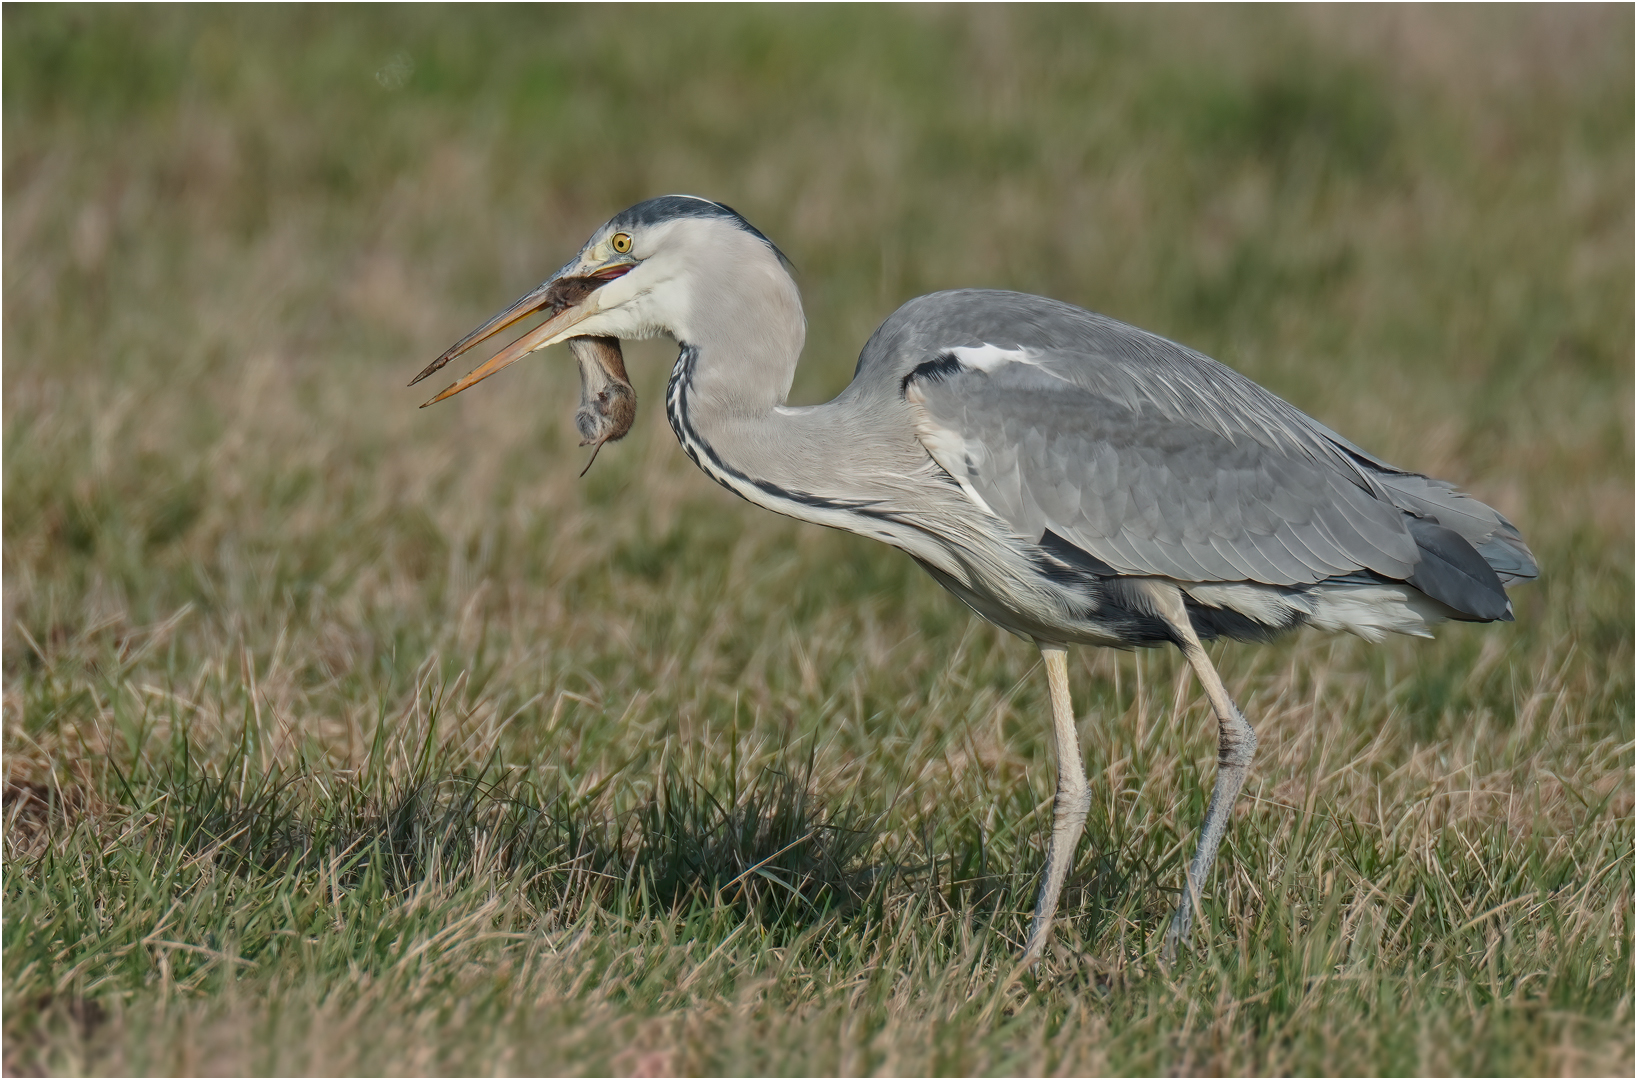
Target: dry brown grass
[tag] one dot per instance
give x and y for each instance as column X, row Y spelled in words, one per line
column 236, row 556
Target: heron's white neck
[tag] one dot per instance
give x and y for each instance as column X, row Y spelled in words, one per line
column 742, row 314
column 741, row 332
column 853, row 463
column 740, row 339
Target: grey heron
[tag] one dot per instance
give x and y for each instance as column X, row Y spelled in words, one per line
column 1072, row 479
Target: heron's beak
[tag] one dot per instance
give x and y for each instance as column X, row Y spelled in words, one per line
column 565, row 296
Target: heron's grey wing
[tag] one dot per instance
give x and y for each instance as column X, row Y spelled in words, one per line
column 1147, row 491
column 1079, row 417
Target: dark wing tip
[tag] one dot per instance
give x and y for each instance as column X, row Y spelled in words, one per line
column 1453, row 573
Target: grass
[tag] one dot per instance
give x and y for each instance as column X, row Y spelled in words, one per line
column 346, row 738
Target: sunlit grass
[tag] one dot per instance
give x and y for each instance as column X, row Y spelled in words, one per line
column 345, row 737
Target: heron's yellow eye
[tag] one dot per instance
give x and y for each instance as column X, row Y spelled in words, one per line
column 622, row 242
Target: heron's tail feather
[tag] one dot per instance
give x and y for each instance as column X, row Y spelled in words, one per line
column 1488, row 532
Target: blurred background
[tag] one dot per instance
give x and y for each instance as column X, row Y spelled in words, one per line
column 233, row 234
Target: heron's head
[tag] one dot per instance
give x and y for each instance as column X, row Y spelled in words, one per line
column 665, row 266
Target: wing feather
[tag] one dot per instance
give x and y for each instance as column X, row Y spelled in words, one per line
column 1155, row 459
column 1151, row 493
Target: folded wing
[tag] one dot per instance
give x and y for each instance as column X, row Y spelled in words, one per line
column 1155, row 460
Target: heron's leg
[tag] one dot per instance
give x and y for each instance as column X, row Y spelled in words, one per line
column 1235, row 746
column 1069, row 806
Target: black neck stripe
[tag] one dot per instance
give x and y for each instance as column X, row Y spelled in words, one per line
column 706, row 457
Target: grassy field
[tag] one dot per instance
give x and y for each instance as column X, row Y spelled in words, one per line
column 342, row 737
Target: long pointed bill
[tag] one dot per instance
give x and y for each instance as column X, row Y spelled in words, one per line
column 563, row 295
column 545, row 334
column 536, row 299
